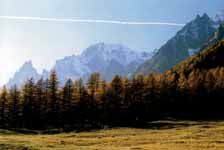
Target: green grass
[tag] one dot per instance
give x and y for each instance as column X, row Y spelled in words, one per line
column 165, row 135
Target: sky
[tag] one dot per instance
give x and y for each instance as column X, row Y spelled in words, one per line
column 43, row 42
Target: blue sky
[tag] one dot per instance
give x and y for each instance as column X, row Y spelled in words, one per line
column 44, row 42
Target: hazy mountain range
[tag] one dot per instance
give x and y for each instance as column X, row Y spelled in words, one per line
column 107, row 59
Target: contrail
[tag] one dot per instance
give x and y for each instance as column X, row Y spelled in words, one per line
column 89, row 21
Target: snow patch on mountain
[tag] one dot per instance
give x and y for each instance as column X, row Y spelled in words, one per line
column 219, row 18
column 192, row 51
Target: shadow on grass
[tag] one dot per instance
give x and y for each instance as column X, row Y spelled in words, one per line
column 167, row 123
column 170, row 123
column 14, row 147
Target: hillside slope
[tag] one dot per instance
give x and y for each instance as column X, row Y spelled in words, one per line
column 208, row 58
column 184, row 44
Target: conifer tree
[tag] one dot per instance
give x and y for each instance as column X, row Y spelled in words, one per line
column 67, row 98
column 14, row 107
column 40, row 103
column 80, row 104
column 4, row 107
column 127, row 93
column 29, row 104
column 117, row 92
column 100, row 95
column 92, row 86
column 150, row 95
column 138, row 97
column 53, row 101
column 45, row 103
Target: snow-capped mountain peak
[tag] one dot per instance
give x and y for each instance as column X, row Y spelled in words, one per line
column 111, row 52
column 27, row 65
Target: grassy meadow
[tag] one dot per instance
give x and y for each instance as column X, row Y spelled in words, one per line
column 164, row 135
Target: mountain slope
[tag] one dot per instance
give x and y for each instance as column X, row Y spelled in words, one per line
column 206, row 59
column 186, row 42
column 70, row 67
column 217, row 36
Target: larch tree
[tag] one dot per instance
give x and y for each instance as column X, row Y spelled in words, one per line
column 53, row 100
column 14, row 107
column 4, row 107
column 67, row 99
